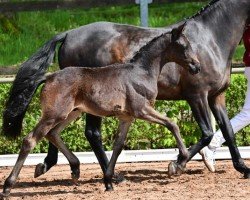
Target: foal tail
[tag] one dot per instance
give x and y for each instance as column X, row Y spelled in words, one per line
column 30, row 75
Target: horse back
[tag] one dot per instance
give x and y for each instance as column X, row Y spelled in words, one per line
column 103, row 43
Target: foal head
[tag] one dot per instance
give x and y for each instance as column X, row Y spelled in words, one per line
column 181, row 51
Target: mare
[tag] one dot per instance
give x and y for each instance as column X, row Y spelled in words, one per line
column 214, row 32
column 74, row 90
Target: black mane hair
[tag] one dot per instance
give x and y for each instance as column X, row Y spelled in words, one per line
column 145, row 48
column 204, row 9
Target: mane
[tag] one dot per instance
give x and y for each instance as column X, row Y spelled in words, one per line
column 143, row 49
column 204, row 9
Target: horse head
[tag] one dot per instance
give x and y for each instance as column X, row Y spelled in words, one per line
column 182, row 51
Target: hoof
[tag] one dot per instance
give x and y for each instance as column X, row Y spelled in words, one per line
column 174, row 169
column 75, row 176
column 247, row 175
column 108, row 184
column 171, row 169
column 118, row 178
column 75, row 182
column 40, row 170
column 109, row 187
column 4, row 196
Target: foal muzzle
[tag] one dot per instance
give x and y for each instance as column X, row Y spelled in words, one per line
column 194, row 68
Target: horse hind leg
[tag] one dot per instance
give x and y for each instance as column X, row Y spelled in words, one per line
column 51, row 158
column 93, row 135
column 29, row 142
column 151, row 115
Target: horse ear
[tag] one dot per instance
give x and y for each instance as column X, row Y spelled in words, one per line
column 176, row 32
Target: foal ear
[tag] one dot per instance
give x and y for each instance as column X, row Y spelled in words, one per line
column 176, row 32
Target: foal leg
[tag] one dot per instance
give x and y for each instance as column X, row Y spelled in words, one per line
column 219, row 110
column 29, row 142
column 49, row 161
column 151, row 115
column 118, row 145
column 55, row 138
column 52, row 156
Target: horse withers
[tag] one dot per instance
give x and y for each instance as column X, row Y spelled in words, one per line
column 127, row 91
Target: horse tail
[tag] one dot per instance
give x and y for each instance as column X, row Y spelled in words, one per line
column 30, row 75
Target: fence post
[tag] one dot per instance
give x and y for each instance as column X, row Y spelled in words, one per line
column 144, row 11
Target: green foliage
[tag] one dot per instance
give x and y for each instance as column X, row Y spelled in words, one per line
column 8, row 25
column 235, row 100
column 142, row 135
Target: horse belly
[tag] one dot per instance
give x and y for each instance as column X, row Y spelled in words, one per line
column 104, row 103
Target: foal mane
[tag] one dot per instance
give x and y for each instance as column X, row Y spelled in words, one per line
column 145, row 48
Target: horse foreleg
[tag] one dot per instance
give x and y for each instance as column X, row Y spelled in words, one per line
column 219, row 110
column 29, row 142
column 52, row 156
column 201, row 112
column 118, row 145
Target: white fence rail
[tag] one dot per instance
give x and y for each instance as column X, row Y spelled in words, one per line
column 126, row 156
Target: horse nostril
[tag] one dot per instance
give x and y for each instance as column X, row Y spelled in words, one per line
column 194, row 69
column 199, row 69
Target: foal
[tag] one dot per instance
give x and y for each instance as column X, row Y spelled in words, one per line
column 127, row 91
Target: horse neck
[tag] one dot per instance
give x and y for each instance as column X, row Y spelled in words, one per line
column 226, row 19
column 151, row 57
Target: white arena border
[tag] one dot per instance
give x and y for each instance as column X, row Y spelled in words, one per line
column 125, row 156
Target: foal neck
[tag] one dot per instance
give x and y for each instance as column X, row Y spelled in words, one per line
column 152, row 56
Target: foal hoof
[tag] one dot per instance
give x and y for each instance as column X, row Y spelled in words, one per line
column 40, row 170
column 75, row 176
column 171, row 169
column 174, row 169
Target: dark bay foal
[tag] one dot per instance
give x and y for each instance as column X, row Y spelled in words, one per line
column 127, row 91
